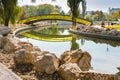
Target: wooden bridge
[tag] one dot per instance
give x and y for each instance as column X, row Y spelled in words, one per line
column 34, row 19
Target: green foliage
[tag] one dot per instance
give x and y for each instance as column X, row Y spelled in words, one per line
column 43, row 9
column 100, row 16
column 1, row 15
column 74, row 44
column 7, row 8
column 46, row 37
column 115, row 15
column 74, row 6
column 16, row 15
column 118, row 71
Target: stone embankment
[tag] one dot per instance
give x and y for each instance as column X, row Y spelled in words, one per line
column 72, row 65
column 99, row 30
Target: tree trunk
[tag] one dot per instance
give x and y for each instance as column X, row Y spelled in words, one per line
column 7, row 16
column 74, row 16
column 74, row 20
column 6, row 23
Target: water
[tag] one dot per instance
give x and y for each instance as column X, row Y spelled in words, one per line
column 105, row 54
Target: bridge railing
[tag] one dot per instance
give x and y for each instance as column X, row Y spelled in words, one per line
column 53, row 17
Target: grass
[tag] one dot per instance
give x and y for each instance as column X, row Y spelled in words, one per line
column 116, row 26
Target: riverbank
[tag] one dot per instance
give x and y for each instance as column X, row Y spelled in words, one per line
column 31, row 63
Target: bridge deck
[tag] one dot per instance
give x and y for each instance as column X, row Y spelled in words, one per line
column 53, row 17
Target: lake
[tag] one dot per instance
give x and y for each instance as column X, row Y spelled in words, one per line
column 105, row 54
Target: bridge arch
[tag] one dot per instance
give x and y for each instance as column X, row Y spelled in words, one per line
column 34, row 19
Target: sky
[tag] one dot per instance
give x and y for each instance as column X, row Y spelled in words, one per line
column 91, row 4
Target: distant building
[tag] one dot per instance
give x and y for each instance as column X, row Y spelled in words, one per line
column 112, row 10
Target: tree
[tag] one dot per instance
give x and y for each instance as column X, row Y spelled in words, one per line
column 16, row 15
column 74, row 6
column 7, row 8
column 115, row 15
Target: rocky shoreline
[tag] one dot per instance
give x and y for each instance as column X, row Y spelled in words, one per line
column 97, row 32
column 31, row 63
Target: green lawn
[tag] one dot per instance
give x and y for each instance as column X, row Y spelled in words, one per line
column 116, row 26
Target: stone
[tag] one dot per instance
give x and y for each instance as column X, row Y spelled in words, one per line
column 47, row 63
column 1, row 41
column 10, row 44
column 23, row 56
column 82, row 59
column 103, row 32
column 65, row 57
column 69, row 71
column 40, row 53
column 25, row 45
column 5, row 30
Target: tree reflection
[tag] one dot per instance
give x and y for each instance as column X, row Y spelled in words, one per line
column 54, row 30
column 74, row 44
column 82, row 41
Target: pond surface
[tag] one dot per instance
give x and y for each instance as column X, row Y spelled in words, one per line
column 105, row 54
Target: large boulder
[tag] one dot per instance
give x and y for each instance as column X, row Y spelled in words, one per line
column 23, row 56
column 4, row 30
column 47, row 63
column 81, row 58
column 28, row 46
column 69, row 71
column 10, row 44
column 39, row 53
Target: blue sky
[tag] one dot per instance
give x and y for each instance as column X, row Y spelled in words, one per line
column 91, row 4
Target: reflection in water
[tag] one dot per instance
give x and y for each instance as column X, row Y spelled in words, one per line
column 74, row 44
column 82, row 41
column 102, row 41
column 107, row 48
column 96, row 47
column 54, row 30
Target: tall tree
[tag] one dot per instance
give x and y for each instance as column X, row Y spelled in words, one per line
column 74, row 6
column 8, row 7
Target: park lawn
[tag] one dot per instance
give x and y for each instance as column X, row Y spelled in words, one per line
column 116, row 26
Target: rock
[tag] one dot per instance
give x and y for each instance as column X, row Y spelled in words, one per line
column 47, row 63
column 103, row 32
column 25, row 45
column 10, row 44
column 69, row 71
column 4, row 30
column 23, row 56
column 1, row 41
column 65, row 57
column 28, row 46
column 40, row 53
column 82, row 59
